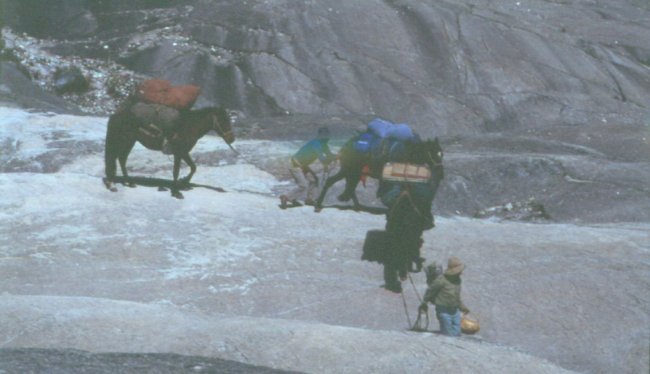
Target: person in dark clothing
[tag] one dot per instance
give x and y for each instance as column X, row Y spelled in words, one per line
column 444, row 293
column 304, row 176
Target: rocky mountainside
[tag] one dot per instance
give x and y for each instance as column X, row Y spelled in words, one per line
column 542, row 109
column 446, row 67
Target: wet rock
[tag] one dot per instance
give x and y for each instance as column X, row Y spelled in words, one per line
column 529, row 210
column 18, row 89
column 63, row 19
column 69, row 80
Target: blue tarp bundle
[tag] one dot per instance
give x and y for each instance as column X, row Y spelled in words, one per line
column 378, row 130
column 386, row 129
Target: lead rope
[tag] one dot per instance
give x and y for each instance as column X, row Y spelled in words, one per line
column 408, row 318
column 418, row 325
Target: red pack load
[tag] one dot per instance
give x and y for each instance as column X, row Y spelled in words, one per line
column 160, row 91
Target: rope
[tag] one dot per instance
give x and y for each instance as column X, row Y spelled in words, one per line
column 417, row 325
column 234, row 150
column 408, row 318
column 415, row 289
column 406, row 194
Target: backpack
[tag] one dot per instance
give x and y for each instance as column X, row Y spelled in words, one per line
column 375, row 246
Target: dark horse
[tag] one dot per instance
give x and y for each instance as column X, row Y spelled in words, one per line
column 407, row 217
column 408, row 214
column 124, row 129
column 352, row 165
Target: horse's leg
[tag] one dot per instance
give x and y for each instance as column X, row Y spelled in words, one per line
column 328, row 183
column 124, row 155
column 391, row 281
column 351, row 183
column 188, row 160
column 111, row 145
column 417, row 261
column 110, row 169
column 177, row 167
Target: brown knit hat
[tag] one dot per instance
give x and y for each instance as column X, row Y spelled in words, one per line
column 454, row 266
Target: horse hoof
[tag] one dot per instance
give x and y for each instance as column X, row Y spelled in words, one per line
column 318, row 209
column 131, row 185
column 395, row 287
column 178, row 195
column 343, row 198
column 109, row 185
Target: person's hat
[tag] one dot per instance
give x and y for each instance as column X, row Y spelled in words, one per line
column 454, row 266
column 323, row 132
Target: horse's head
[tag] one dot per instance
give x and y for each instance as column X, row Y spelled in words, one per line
column 222, row 125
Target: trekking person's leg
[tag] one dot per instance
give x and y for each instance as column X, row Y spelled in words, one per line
column 455, row 323
column 301, row 184
column 312, row 188
column 444, row 320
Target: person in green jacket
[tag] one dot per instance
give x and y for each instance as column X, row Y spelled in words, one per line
column 444, row 293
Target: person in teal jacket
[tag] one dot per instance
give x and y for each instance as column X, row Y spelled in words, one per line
column 304, row 176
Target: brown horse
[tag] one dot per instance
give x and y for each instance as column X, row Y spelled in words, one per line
column 124, row 129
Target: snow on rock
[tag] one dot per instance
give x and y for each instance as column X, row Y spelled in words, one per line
column 101, row 325
column 230, row 275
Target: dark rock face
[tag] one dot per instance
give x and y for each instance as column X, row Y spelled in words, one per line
column 446, row 67
column 67, row 361
column 16, row 87
column 70, row 79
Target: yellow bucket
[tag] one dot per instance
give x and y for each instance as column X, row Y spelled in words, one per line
column 469, row 324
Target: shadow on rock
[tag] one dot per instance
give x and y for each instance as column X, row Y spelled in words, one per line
column 163, row 183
